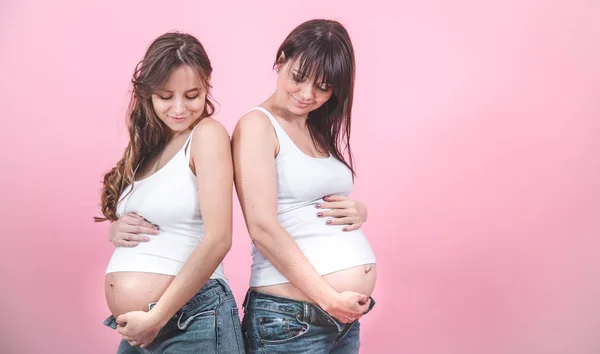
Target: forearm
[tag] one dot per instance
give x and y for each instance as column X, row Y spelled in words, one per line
column 279, row 247
column 196, row 271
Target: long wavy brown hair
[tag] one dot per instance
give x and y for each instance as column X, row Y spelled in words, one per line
column 324, row 52
column 147, row 133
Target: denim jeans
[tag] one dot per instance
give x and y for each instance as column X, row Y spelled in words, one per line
column 274, row 324
column 207, row 324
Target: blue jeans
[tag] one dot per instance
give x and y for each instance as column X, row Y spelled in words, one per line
column 274, row 324
column 208, row 323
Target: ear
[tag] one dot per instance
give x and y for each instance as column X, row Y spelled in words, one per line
column 281, row 58
column 280, row 61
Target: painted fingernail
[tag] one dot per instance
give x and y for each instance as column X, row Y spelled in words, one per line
column 328, row 222
column 317, row 205
column 155, row 232
column 344, row 229
column 319, row 214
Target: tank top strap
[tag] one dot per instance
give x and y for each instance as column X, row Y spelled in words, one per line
column 188, row 144
column 284, row 139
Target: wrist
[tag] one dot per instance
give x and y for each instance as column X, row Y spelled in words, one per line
column 327, row 299
column 158, row 318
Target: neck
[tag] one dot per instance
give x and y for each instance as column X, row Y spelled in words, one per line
column 280, row 110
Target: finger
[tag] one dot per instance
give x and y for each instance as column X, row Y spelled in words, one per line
column 145, row 223
column 341, row 221
column 143, row 346
column 335, row 198
column 122, row 320
column 124, row 243
column 121, row 330
column 364, row 308
column 139, row 229
column 334, row 205
column 136, row 238
column 344, row 319
column 335, row 213
column 134, row 215
column 352, row 227
column 127, row 338
column 365, row 300
column 133, row 343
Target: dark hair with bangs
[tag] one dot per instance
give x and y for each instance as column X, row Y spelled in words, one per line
column 324, row 52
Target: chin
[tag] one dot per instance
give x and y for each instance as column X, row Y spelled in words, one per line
column 299, row 111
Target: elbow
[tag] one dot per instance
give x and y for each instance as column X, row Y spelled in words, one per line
column 226, row 244
column 221, row 242
column 261, row 230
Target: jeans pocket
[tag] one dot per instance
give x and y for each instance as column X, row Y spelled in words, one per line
column 276, row 327
column 184, row 320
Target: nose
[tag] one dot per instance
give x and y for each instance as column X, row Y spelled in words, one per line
column 179, row 106
column 307, row 92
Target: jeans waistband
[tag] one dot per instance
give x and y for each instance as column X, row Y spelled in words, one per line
column 304, row 311
column 213, row 287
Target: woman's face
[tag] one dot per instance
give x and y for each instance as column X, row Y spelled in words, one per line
column 300, row 95
column 181, row 101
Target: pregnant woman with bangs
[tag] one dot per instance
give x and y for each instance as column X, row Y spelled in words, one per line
column 172, row 190
column 313, row 270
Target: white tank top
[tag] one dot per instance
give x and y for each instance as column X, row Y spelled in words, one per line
column 302, row 182
column 167, row 198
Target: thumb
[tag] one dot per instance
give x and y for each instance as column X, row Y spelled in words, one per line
column 122, row 320
column 363, row 299
column 334, row 198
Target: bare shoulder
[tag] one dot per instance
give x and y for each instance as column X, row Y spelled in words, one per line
column 210, row 129
column 254, row 122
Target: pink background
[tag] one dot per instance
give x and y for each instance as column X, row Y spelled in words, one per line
column 476, row 132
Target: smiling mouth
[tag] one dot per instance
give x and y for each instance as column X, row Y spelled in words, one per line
column 301, row 104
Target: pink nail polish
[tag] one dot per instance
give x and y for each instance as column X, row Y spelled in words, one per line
column 328, row 222
column 319, row 214
column 317, row 205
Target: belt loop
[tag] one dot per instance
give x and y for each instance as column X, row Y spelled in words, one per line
column 305, row 313
column 223, row 285
column 309, row 315
column 246, row 299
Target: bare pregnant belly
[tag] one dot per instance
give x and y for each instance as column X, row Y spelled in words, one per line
column 133, row 291
column 360, row 279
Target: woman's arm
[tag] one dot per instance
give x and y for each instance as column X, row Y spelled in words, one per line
column 254, row 144
column 211, row 158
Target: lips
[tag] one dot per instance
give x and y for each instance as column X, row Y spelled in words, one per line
column 301, row 104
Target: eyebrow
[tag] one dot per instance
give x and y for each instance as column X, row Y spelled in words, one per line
column 188, row 91
column 297, row 72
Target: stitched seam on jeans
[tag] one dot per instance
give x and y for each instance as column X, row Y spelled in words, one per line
column 197, row 302
column 283, row 341
column 189, row 319
column 237, row 328
column 293, row 314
